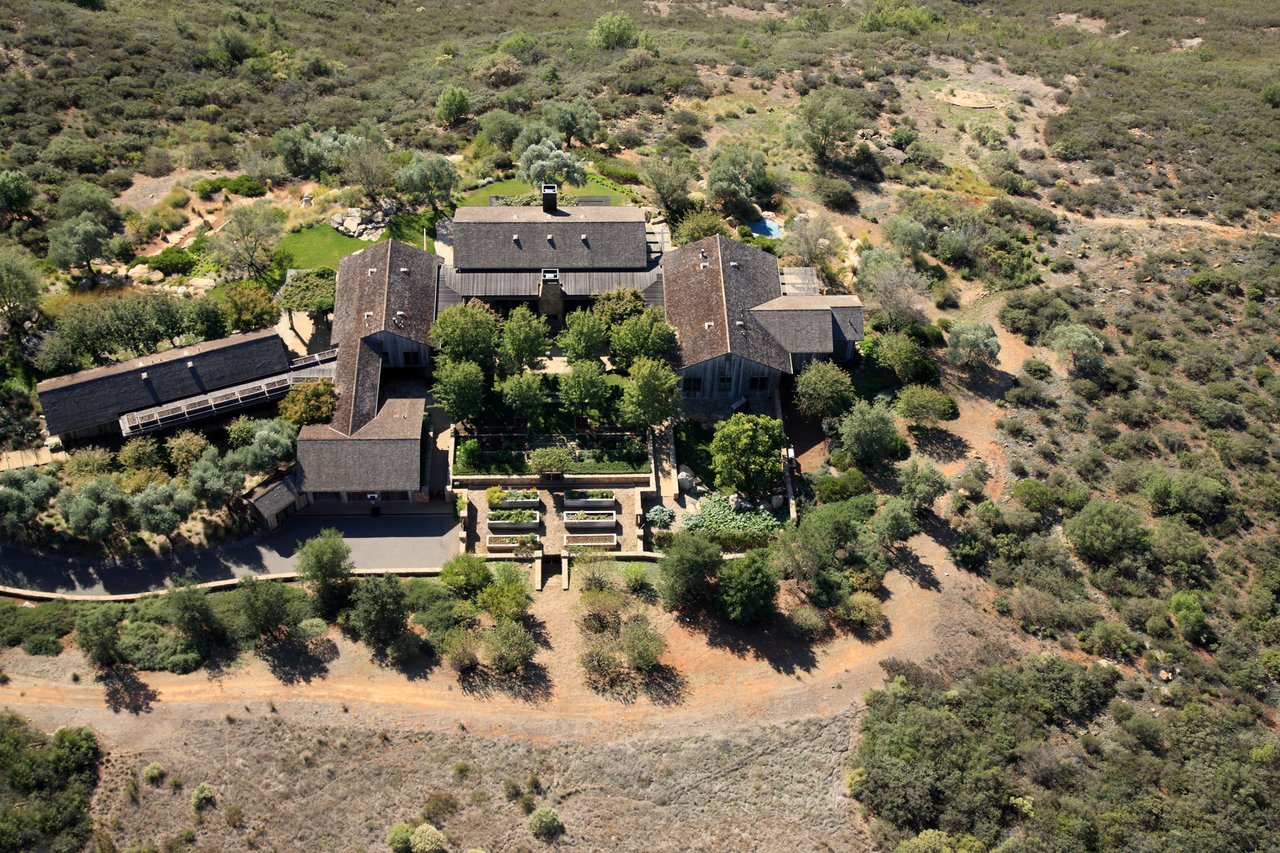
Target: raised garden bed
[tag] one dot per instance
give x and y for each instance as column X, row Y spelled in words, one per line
column 499, row 498
column 502, row 520
column 505, row 542
column 592, row 454
column 589, row 499
column 591, row 519
column 584, row 541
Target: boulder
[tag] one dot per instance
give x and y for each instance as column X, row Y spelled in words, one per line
column 139, row 271
column 350, row 225
column 777, row 501
column 685, row 481
column 155, row 275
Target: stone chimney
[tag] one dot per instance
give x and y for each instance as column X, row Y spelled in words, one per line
column 548, row 198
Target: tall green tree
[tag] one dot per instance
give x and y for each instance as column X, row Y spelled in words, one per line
column 379, row 611
column 428, row 177
column 19, row 287
column 646, row 335
column 98, row 632
column 162, row 507
column 467, row 332
column 823, row 390
column 523, row 341
column 585, row 336
column 584, row 390
column 17, row 192
column 869, row 434
column 453, row 106
column 651, row 395
column 324, row 564
column 747, row 588
column 263, row 605
column 576, row 120
column 76, row 242
column 459, row 387
column 545, row 163
column 746, row 453
column 525, row 394
column 96, row 511
column 247, row 242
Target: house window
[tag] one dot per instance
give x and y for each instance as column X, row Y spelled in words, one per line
column 758, row 383
column 412, row 358
column 693, row 384
column 724, row 383
column 325, row 497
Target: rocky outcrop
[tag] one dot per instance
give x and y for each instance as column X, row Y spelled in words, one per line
column 366, row 223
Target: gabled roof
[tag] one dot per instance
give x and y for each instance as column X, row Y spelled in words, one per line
column 528, row 238
column 724, row 297
column 388, row 287
column 710, row 288
column 92, row 397
column 383, row 455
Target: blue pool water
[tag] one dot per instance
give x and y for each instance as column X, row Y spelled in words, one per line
column 766, row 228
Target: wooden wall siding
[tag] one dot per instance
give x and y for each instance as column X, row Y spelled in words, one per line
column 395, row 347
column 740, row 372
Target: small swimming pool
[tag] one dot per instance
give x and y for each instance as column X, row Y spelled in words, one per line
column 766, row 228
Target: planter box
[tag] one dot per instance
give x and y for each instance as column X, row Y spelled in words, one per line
column 502, row 542
column 607, row 541
column 584, row 499
column 513, row 526
column 520, row 503
column 591, row 519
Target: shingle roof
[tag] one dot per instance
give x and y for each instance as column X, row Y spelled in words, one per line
column 102, row 395
column 388, row 287
column 357, row 377
column 383, row 455
column 275, row 494
column 723, row 296
column 516, row 238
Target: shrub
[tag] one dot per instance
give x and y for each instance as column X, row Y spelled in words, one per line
column 545, row 824
column 862, row 611
column 427, row 839
column 460, row 646
column 835, row 193
column 466, row 575
column 747, row 587
column 1105, row 531
column 806, row 623
column 635, row 577
column 641, row 645
column 550, row 460
column 833, row 489
column 45, row 645
column 660, row 517
column 202, row 797
column 508, row 646
column 153, row 773
column 398, row 838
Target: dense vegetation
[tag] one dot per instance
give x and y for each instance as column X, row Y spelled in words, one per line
column 45, row 786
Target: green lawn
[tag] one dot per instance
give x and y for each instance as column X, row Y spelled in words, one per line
column 319, row 246
column 480, row 197
column 322, row 246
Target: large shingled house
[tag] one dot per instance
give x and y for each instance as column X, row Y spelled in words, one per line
column 383, row 312
column 742, row 321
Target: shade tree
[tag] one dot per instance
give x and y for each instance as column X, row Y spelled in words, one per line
column 823, row 390
column 523, row 341
column 686, row 571
column 324, row 565
column 467, row 332
column 459, row 387
column 745, row 453
column 545, row 163
column 651, row 394
column 644, row 335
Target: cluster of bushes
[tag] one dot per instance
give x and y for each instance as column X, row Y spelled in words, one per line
column 95, row 332
column 623, row 649
column 101, row 496
column 46, row 783
column 242, row 185
column 1044, row 751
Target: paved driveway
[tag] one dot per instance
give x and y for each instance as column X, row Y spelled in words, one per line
column 389, row 542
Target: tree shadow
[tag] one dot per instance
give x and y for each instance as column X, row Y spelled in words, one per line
column 538, row 628
column 125, row 691
column 940, row 444
column 914, row 569
column 532, row 684
column 292, row 661
column 664, row 685
column 766, row 641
